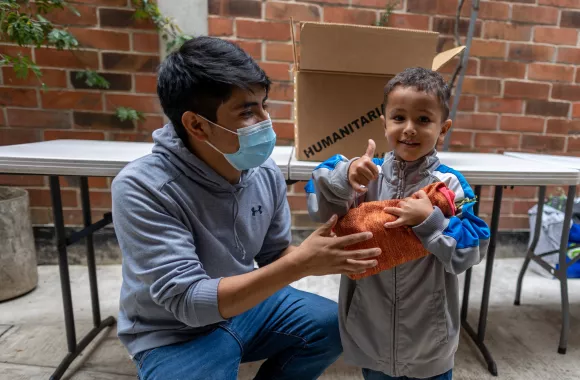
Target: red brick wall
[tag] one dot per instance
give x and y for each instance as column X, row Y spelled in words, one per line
column 522, row 91
column 125, row 52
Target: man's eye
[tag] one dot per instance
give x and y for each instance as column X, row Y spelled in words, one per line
column 247, row 114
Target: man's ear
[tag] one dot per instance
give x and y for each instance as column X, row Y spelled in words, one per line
column 445, row 128
column 195, row 126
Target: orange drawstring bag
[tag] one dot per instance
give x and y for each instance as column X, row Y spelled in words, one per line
column 399, row 245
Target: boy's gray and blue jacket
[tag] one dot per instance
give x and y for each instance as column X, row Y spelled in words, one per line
column 182, row 228
column 404, row 321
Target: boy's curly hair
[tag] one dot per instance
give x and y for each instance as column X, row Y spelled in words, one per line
column 422, row 79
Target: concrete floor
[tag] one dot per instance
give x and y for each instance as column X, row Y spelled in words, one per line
column 522, row 339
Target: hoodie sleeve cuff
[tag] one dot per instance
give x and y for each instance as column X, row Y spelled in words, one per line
column 431, row 227
column 205, row 302
column 340, row 182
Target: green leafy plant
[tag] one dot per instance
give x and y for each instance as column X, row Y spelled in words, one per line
column 23, row 23
column 389, row 9
column 93, row 79
column 169, row 30
column 125, row 113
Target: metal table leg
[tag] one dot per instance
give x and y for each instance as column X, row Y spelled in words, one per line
column 86, row 205
column 561, row 273
column 479, row 337
column 63, row 264
column 74, row 348
column 532, row 249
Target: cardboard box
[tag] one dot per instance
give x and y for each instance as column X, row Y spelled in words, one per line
column 339, row 81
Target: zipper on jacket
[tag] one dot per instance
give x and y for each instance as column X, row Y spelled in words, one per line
column 394, row 336
column 400, row 194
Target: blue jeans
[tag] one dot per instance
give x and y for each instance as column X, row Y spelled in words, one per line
column 375, row 375
column 297, row 332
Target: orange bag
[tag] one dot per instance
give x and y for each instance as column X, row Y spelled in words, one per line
column 399, row 245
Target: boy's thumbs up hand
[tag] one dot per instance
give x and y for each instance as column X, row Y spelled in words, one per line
column 363, row 170
column 370, row 153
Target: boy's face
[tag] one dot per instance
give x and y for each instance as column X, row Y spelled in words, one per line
column 413, row 123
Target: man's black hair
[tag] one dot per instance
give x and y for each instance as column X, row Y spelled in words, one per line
column 422, row 79
column 201, row 75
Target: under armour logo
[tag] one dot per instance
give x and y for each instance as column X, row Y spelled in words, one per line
column 254, row 211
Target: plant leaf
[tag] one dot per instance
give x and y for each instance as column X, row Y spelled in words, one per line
column 93, row 79
column 61, row 39
column 126, row 113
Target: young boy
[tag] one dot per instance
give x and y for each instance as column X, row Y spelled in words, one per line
column 404, row 322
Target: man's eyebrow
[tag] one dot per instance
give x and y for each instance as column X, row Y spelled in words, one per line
column 246, row 105
column 250, row 104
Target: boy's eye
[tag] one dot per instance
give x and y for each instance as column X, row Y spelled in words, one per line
column 265, row 106
column 398, row 118
column 247, row 113
column 424, row 119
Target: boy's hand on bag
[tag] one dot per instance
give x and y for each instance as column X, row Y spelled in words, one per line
column 323, row 253
column 411, row 211
column 363, row 170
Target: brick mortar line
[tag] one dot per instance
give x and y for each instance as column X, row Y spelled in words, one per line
column 71, row 89
column 84, row 49
column 115, row 29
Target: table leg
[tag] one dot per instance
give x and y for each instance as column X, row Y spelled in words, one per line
column 63, row 263
column 62, row 242
column 561, row 273
column 532, row 249
column 467, row 282
column 86, row 205
column 479, row 337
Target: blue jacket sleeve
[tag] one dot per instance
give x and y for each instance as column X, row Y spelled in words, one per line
column 462, row 240
column 328, row 191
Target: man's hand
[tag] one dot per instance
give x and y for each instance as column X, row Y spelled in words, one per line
column 411, row 211
column 322, row 253
column 363, row 170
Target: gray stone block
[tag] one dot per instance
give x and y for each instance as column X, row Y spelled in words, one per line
column 18, row 272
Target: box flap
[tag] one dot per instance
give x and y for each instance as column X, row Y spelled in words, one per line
column 364, row 49
column 446, row 56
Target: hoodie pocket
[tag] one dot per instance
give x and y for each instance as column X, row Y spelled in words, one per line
column 438, row 310
column 361, row 326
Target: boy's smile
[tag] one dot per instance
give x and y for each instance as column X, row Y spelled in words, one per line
column 413, row 123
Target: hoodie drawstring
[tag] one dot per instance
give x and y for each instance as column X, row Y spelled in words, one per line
column 236, row 210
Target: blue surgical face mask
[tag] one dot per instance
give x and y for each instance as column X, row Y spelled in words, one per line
column 257, row 143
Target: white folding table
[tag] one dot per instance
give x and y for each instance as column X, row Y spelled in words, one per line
column 496, row 170
column 88, row 158
column 81, row 158
column 561, row 272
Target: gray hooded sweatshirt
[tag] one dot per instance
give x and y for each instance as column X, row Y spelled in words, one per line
column 181, row 228
column 404, row 321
